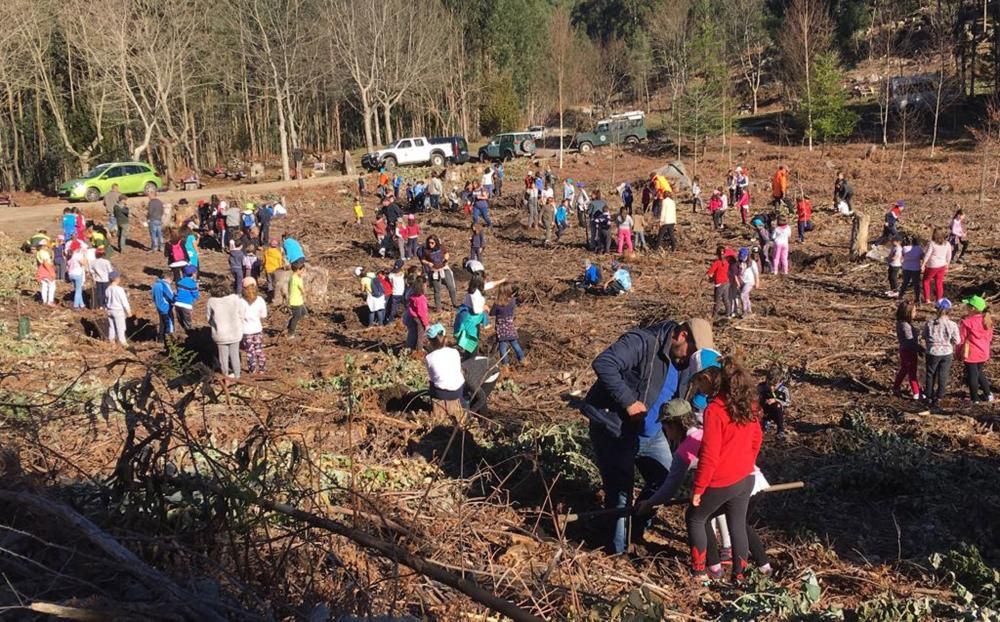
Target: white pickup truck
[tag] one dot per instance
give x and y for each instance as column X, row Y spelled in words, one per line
column 419, row 150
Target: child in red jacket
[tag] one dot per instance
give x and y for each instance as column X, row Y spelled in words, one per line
column 724, row 480
column 804, row 212
column 718, row 275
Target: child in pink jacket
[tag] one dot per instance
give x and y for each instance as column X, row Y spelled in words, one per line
column 975, row 339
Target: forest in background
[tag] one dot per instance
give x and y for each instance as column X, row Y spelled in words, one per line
column 189, row 84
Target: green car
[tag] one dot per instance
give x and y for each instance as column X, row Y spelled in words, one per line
column 628, row 128
column 508, row 146
column 131, row 177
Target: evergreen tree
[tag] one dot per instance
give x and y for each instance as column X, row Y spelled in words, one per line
column 832, row 120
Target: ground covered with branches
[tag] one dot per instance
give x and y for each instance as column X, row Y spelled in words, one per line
column 136, row 487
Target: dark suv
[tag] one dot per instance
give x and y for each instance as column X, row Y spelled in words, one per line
column 507, row 146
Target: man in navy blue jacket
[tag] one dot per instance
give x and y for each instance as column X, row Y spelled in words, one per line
column 636, row 375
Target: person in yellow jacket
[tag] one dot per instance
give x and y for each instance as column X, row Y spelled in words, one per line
column 273, row 261
column 661, row 188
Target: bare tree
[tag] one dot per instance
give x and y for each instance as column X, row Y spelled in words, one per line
column 561, row 41
column 354, row 28
column 35, row 23
column 750, row 41
column 808, row 32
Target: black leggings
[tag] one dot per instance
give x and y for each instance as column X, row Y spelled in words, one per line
column 936, row 379
column 774, row 414
column 731, row 501
column 977, row 381
column 757, row 552
column 298, row 313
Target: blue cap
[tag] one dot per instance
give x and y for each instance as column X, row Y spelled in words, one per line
column 189, row 269
column 943, row 305
column 700, row 401
column 114, row 275
column 435, row 330
column 744, row 254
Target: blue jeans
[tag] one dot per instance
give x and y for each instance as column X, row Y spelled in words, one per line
column 507, row 346
column 155, row 235
column 376, row 318
column 77, row 291
column 112, row 223
column 166, row 326
column 617, row 459
column 481, row 212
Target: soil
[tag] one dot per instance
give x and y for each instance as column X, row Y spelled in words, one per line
column 865, row 526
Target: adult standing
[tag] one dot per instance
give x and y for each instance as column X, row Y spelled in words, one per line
column 843, row 193
column 434, row 189
column 531, row 198
column 481, row 208
column 596, row 208
column 226, row 317
column 636, row 376
column 582, row 205
column 264, row 216
column 110, row 201
column 779, row 186
column 154, row 218
column 668, row 223
column 294, row 254
column 434, row 257
column 121, row 219
column 935, row 264
column 233, row 221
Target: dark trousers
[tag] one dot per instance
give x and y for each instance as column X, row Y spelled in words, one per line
column 166, row 327
column 958, row 248
column 757, row 552
column 717, row 219
column 603, row 241
column 911, row 277
column 894, row 278
column 395, row 309
column 617, row 459
column 774, row 414
column 936, row 378
column 666, row 233
column 720, row 301
column 99, row 299
column 184, row 318
column 731, row 501
column 298, row 313
column 979, row 385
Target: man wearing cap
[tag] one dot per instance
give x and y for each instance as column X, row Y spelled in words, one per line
column 636, row 375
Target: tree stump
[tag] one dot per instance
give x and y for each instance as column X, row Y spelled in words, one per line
column 859, row 234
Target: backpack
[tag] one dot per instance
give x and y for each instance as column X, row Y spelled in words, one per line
column 248, row 220
column 377, row 289
column 177, row 252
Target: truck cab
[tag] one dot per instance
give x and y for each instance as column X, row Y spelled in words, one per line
column 627, row 127
column 417, row 150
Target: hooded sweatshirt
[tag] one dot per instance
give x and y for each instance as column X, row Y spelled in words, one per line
column 187, row 293
column 163, row 296
column 225, row 316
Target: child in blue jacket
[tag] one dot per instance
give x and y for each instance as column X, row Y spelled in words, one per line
column 163, row 299
column 187, row 294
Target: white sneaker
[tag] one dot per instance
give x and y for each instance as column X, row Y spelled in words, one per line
column 989, row 398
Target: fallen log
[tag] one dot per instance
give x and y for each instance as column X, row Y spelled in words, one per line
column 153, row 579
column 394, row 552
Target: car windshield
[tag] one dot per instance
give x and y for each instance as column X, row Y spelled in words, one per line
column 96, row 171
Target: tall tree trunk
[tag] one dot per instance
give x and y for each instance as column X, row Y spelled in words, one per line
column 387, row 117
column 366, row 114
column 338, row 138
column 561, row 127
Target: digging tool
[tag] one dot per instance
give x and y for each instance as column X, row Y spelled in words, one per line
column 570, row 518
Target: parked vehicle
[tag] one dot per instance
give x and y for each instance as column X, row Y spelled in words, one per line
column 131, row 177
column 916, row 92
column 419, row 150
column 627, row 127
column 537, row 132
column 507, row 146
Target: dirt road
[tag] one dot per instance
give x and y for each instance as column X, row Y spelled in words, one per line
column 22, row 221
